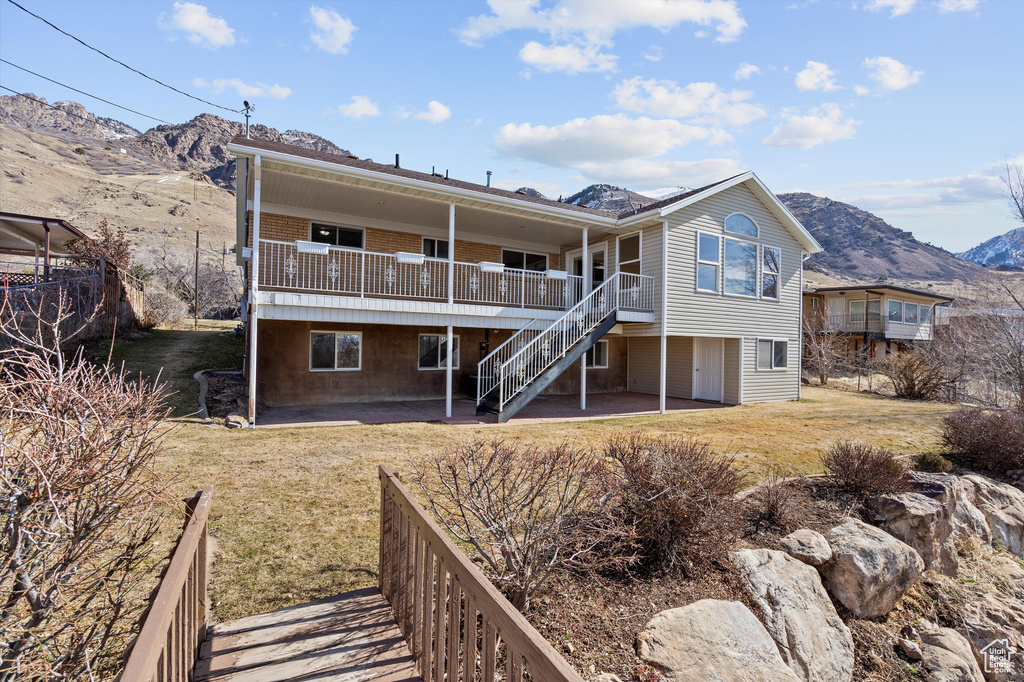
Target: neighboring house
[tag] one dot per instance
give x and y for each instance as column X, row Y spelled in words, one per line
column 377, row 283
column 876, row 319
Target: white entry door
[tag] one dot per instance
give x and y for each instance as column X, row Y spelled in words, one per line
column 708, row 361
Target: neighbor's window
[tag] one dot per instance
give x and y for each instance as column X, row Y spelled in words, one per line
column 629, row 254
column 435, row 248
column 814, row 303
column 740, row 268
column 708, row 259
column 597, row 356
column 910, row 313
column 770, row 260
column 738, row 223
column 335, row 351
column 772, row 354
column 349, row 237
column 895, row 311
column 520, row 260
column 434, row 351
column 925, row 314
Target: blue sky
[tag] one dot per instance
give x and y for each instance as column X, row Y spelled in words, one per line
column 906, row 108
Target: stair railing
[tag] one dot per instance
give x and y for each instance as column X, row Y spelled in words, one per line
column 487, row 369
column 544, row 349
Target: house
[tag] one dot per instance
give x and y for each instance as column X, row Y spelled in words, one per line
column 371, row 282
column 876, row 319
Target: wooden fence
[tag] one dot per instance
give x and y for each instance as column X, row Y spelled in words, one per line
column 175, row 626
column 457, row 625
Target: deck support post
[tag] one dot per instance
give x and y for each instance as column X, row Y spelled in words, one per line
column 254, row 279
column 663, row 389
column 587, row 279
column 663, row 379
column 448, row 374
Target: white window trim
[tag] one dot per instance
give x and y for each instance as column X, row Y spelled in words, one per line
column 439, row 337
column 756, row 226
column 757, row 352
column 436, row 241
column 640, row 250
column 916, row 314
column 335, row 332
column 696, row 254
column 815, row 305
column 761, row 273
column 361, row 230
column 606, row 357
column 547, row 258
column 902, row 312
column 757, row 276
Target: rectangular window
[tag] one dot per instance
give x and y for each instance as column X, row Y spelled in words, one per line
column 772, row 353
column 434, row 351
column 895, row 311
column 708, row 260
column 435, row 248
column 335, row 235
column 520, row 260
column 335, row 351
column 597, row 356
column 814, row 304
column 925, row 314
column 629, row 254
column 910, row 313
column 771, row 258
column 740, row 268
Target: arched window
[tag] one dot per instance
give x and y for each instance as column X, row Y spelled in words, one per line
column 737, row 223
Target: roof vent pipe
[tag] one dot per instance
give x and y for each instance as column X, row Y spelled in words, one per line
column 396, row 161
column 488, row 178
column 445, row 173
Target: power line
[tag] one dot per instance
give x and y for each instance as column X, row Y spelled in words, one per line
column 117, row 61
column 85, row 93
column 19, row 94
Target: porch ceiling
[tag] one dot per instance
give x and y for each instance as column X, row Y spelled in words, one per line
column 321, row 192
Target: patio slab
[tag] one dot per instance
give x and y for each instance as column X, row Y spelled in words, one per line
column 543, row 409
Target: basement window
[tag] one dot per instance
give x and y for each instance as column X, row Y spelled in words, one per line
column 435, row 248
column 335, row 235
column 521, row 260
column 335, row 351
column 433, row 351
column 772, row 353
column 597, row 356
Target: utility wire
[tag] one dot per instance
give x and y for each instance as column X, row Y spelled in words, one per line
column 117, row 61
column 82, row 92
column 19, row 94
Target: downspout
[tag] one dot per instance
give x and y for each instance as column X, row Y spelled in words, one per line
column 46, row 251
column 663, row 379
column 800, row 331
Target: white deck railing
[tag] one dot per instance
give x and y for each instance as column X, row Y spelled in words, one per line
column 861, row 323
column 352, row 272
column 488, row 369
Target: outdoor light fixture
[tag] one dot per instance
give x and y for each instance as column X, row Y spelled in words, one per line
column 557, row 274
column 409, row 258
column 487, row 266
column 311, row 247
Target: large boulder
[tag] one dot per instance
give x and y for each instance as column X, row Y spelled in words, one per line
column 948, row 657
column 870, row 569
column 990, row 617
column 813, row 640
column 809, row 546
column 922, row 523
column 712, row 640
column 1003, row 507
column 957, row 496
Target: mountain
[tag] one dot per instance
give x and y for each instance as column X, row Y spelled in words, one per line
column 610, row 198
column 1006, row 250
column 862, row 246
column 198, row 145
column 530, row 192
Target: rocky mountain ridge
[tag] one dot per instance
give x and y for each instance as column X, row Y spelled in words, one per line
column 1004, row 251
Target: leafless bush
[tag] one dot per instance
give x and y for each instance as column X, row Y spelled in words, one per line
column 680, row 494
column 824, row 347
column 528, row 511
column 776, row 499
column 989, row 439
column 865, row 469
column 111, row 244
column 81, row 504
column 920, row 374
column 219, row 287
column 163, row 309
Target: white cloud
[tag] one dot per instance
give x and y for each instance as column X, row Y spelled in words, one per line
column 746, row 71
column 435, row 113
column 219, row 85
column 359, row 107
column 654, row 53
column 333, row 32
column 896, row 7
column 974, row 187
column 946, row 6
column 822, row 124
column 816, row 76
column 571, row 59
column 640, row 172
column 891, row 74
column 598, row 140
column 701, row 102
column 861, row 90
column 199, row 27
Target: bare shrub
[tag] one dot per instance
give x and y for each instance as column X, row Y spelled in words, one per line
column 988, row 439
column 163, row 309
column 824, row 352
column 680, row 494
column 110, row 243
column 528, row 512
column 921, row 374
column 933, row 462
column 82, row 503
column 865, row 469
column 776, row 500
column 219, row 287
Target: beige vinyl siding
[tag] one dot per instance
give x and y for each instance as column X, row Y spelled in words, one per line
column 644, row 366
column 650, row 265
column 731, row 370
column 770, row 384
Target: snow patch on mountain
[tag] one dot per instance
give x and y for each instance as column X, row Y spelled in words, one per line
column 1006, row 250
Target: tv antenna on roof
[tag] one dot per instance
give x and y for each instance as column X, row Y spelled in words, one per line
column 247, row 109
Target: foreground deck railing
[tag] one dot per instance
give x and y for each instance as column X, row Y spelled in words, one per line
column 175, row 626
column 457, row 625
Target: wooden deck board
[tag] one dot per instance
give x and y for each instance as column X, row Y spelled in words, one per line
column 351, row 637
